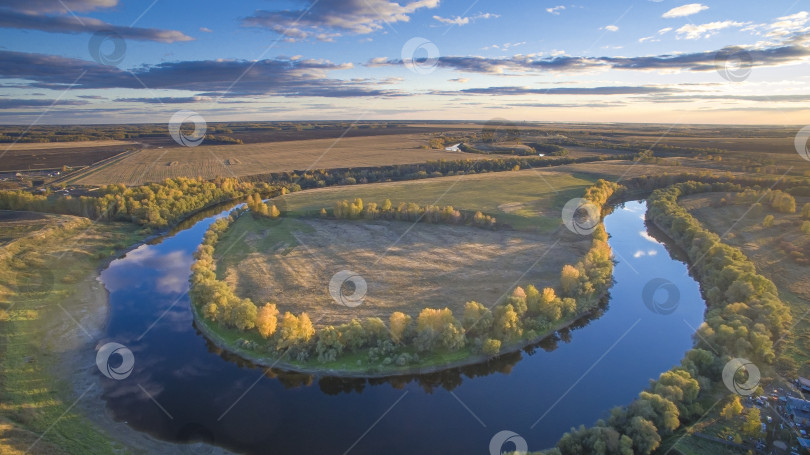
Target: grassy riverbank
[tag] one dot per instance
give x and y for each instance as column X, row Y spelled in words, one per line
column 45, row 293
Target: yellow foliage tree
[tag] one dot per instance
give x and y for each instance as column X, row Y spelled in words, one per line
column 267, row 320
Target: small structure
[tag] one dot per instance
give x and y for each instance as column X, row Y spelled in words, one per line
column 453, row 148
column 798, row 410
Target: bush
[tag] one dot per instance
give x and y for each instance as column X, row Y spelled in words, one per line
column 491, row 347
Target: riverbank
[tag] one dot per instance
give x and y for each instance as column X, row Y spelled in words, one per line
column 224, row 340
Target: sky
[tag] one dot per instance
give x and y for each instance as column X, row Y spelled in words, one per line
column 121, row 61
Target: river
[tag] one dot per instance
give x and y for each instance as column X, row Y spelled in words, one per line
column 183, row 389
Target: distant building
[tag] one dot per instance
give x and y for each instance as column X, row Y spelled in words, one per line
column 453, row 148
column 798, row 410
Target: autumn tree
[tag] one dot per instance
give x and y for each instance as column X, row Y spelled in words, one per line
column 293, row 331
column 732, row 409
column 506, row 324
column 267, row 320
column 569, row 279
column 477, row 319
column 400, row 324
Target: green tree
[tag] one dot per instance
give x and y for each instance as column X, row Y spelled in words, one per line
column 732, row 409
column 644, row 435
column 506, row 325
column 491, row 347
column 477, row 319
column 569, row 279
column 752, row 427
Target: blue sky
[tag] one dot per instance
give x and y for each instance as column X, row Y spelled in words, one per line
column 636, row 61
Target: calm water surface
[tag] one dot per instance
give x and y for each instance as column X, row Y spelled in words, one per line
column 574, row 378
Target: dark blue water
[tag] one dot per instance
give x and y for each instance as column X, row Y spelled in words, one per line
column 572, row 379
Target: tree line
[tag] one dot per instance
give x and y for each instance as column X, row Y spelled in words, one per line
column 524, row 316
column 408, row 211
column 153, row 205
column 745, row 318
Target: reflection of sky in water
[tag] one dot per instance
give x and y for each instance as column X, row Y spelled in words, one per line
column 173, row 269
column 174, row 364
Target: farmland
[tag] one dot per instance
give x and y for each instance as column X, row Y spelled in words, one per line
column 409, row 267
column 152, row 164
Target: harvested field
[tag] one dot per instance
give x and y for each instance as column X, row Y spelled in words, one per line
column 407, row 267
column 18, row 157
column 150, row 165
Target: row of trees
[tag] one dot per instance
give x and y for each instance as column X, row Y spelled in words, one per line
column 745, row 318
column 261, row 209
column 776, row 199
column 408, row 211
column 524, row 316
column 153, row 205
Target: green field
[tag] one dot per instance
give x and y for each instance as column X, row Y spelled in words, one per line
column 528, row 200
column 41, row 278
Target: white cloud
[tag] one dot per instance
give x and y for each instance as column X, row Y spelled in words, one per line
column 782, row 26
column 458, row 20
column 504, row 46
column 691, row 31
column 327, row 19
column 610, row 28
column 685, row 10
column 205, row 29
column 555, row 10
column 460, row 80
column 654, row 38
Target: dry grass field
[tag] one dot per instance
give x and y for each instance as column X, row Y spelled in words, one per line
column 407, row 267
column 156, row 164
